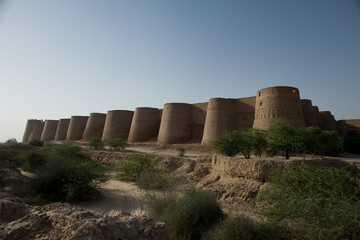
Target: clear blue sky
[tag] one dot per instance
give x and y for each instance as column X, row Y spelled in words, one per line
column 66, row 57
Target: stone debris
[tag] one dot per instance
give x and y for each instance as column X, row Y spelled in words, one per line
column 65, row 221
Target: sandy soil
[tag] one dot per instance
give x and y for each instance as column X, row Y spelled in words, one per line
column 117, row 196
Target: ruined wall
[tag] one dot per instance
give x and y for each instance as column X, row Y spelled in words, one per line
column 348, row 125
column 328, row 121
column 220, row 118
column 37, row 131
column 48, row 134
column 76, row 128
column 30, row 124
column 309, row 113
column 145, row 124
column 245, row 111
column 94, row 126
column 117, row 124
column 62, row 129
column 198, row 121
column 278, row 102
column 176, row 123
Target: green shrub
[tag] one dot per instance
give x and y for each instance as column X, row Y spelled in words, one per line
column 259, row 141
column 6, row 153
column 14, row 157
column 132, row 167
column 241, row 227
column 11, row 142
column 192, row 215
column 181, row 151
column 315, row 203
column 228, row 144
column 95, row 143
column 37, row 143
column 117, row 144
column 68, row 175
column 236, row 142
column 285, row 138
column 153, row 179
column 156, row 203
column 34, row 161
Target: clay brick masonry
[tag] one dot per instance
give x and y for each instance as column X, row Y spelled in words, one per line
column 192, row 123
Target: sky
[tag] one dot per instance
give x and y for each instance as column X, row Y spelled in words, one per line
column 73, row 57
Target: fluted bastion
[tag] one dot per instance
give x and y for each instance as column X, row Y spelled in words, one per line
column 176, row 123
column 94, row 126
column 30, row 124
column 117, row 124
column 278, row 102
column 198, row 121
column 62, row 129
column 145, row 124
column 48, row 134
column 37, row 131
column 319, row 121
column 328, row 120
column 76, row 128
column 245, row 111
column 220, row 118
column 309, row 113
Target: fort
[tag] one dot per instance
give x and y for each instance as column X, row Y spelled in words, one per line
column 192, row 123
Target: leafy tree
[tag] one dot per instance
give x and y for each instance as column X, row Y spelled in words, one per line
column 284, row 137
column 11, row 142
column 310, row 140
column 117, row 144
column 259, row 140
column 246, row 143
column 329, row 143
column 228, row 144
column 95, row 143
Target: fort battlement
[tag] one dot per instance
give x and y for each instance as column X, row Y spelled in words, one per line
column 192, row 123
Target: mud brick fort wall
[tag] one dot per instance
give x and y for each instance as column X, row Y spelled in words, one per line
column 192, row 123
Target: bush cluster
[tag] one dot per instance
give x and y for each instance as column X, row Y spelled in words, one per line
column 63, row 173
column 188, row 216
column 282, row 138
column 132, row 167
column 116, row 143
column 242, row 227
column 37, row 143
column 315, row 203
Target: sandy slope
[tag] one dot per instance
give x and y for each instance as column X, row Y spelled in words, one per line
column 117, row 196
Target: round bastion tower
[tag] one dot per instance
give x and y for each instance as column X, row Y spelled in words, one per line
column 117, row 124
column 278, row 102
column 145, row 124
column 175, row 126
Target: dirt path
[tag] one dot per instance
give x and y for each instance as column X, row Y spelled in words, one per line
column 117, row 196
